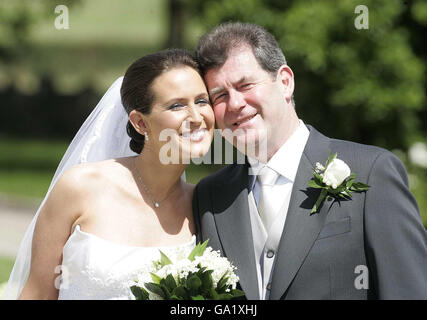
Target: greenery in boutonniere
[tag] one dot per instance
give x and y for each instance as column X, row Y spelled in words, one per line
column 336, row 181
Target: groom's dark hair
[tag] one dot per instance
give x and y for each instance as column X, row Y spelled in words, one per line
column 215, row 46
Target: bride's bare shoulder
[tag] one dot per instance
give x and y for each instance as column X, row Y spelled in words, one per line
column 82, row 178
column 80, row 183
column 77, row 187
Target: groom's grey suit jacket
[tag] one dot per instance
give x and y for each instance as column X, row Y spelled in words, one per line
column 376, row 236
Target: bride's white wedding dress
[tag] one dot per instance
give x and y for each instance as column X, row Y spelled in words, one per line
column 92, row 268
column 97, row 269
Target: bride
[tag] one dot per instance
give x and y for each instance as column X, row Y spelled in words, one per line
column 102, row 221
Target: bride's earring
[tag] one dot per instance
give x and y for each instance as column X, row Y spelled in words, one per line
column 146, row 136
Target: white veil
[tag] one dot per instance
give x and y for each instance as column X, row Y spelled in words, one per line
column 102, row 136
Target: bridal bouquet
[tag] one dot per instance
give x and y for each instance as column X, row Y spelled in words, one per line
column 202, row 275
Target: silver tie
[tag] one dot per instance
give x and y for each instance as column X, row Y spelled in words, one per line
column 267, row 178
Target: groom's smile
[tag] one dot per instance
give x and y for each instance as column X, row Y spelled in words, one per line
column 243, row 121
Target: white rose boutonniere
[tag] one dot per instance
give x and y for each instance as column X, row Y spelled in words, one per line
column 336, row 181
column 336, row 172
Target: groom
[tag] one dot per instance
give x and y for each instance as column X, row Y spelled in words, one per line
column 258, row 214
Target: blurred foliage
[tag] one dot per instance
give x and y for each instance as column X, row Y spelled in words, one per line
column 363, row 85
column 103, row 39
column 16, row 20
column 417, row 177
column 45, row 113
column 419, row 11
column 51, row 79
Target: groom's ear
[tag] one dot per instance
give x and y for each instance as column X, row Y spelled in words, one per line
column 138, row 121
column 286, row 78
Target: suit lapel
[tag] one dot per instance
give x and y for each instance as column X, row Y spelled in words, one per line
column 301, row 228
column 231, row 214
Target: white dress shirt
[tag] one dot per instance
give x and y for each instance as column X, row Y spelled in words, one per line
column 266, row 242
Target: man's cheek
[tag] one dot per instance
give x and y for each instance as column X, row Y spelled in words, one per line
column 255, row 96
column 219, row 113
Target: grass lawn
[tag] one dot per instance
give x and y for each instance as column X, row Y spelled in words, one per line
column 27, row 166
column 6, row 266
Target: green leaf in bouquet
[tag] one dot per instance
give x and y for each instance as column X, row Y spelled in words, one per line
column 157, row 264
column 155, row 288
column 198, row 297
column 156, row 279
column 207, row 281
column 222, row 284
column 183, row 282
column 225, row 296
column 164, row 260
column 198, row 250
column 213, row 294
column 139, row 293
column 194, row 283
column 166, row 292
column 236, row 293
column 180, row 292
column 169, row 282
column 201, row 269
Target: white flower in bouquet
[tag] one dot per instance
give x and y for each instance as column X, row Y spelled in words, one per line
column 220, row 266
column 202, row 274
column 178, row 269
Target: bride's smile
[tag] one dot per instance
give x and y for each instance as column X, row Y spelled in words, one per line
column 195, row 135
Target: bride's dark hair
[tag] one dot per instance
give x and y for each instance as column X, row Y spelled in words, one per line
column 136, row 87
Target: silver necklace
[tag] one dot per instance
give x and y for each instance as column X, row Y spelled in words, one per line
column 156, row 203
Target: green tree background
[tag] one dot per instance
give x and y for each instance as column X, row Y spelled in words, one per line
column 362, row 85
